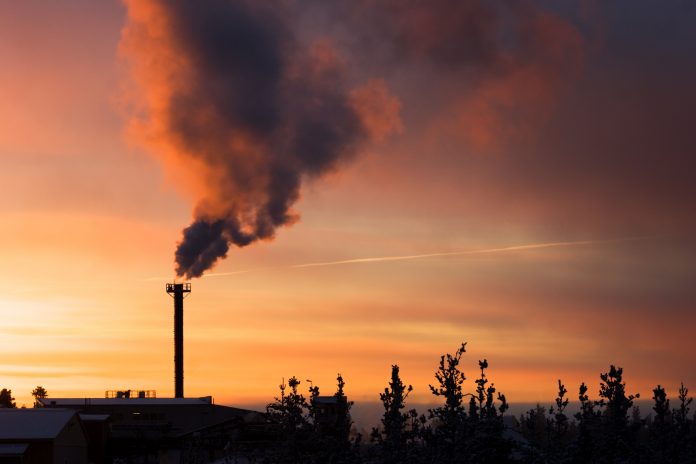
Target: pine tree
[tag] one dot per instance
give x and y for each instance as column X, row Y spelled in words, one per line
column 616, row 436
column 456, row 435
column 685, row 429
column 290, row 411
column 448, row 432
column 394, row 438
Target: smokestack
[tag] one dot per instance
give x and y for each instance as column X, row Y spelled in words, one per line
column 177, row 291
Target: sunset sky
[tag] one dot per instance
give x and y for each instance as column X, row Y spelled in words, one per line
column 528, row 169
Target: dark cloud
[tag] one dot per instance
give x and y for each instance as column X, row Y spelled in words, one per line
column 446, row 33
column 458, row 39
column 580, row 126
column 617, row 153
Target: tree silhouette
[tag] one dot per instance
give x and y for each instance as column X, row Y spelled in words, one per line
column 560, row 420
column 314, row 430
column 534, row 427
column 447, row 435
column 455, row 435
column 487, row 444
column 468, row 427
column 343, row 422
column 588, row 426
column 6, row 400
column 550, row 436
column 289, row 409
column 394, row 437
column 332, row 426
column 38, row 393
column 660, row 427
column 684, row 435
column 615, row 434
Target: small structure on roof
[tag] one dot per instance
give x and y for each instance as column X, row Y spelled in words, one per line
column 130, row 393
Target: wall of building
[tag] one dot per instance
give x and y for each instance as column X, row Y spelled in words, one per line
column 70, row 446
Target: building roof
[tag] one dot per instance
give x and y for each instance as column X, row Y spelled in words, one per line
column 72, row 402
column 33, row 424
column 13, row 449
column 326, row 400
column 94, row 417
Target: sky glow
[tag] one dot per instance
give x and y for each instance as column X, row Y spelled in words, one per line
column 533, row 197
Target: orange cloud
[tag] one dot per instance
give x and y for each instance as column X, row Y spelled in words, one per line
column 378, row 109
column 512, row 104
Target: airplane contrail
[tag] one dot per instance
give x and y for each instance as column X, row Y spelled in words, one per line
column 530, row 246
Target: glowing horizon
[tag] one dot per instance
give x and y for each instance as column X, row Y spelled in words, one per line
column 532, row 196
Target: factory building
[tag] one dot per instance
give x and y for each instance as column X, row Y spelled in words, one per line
column 42, row 436
column 136, row 425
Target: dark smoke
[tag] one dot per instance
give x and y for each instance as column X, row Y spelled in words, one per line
column 202, row 245
column 243, row 93
column 259, row 109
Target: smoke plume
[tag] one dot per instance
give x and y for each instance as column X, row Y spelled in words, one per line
column 246, row 100
column 242, row 111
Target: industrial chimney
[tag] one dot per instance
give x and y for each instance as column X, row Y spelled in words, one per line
column 177, row 291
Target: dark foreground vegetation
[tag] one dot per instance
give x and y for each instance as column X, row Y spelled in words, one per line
column 466, row 427
column 472, row 427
